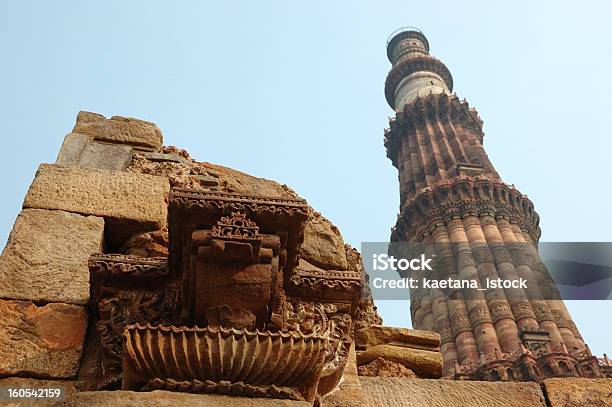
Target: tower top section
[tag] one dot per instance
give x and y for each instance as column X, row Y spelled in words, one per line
column 414, row 73
column 411, row 39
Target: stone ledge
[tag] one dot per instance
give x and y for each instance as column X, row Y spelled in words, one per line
column 169, row 399
column 572, row 392
column 45, row 259
column 41, row 342
column 382, row 335
column 129, row 202
column 397, row 392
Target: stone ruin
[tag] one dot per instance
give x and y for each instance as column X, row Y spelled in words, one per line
column 135, row 275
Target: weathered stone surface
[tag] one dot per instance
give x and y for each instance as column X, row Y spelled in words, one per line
column 381, row 335
column 384, row 368
column 348, row 393
column 44, row 342
column 79, row 150
column 170, row 399
column 425, row 364
column 105, row 156
column 45, row 259
column 68, row 388
column 578, row 392
column 130, row 203
column 124, row 130
column 367, row 314
column 72, row 147
column 400, row 392
column 323, row 244
column 147, row 244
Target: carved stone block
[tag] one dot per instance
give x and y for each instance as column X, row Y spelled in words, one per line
column 46, row 256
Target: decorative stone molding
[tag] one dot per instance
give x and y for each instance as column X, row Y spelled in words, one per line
column 224, row 356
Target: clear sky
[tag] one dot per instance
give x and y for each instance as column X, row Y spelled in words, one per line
column 293, row 91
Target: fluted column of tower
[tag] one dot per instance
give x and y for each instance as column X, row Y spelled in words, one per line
column 452, row 198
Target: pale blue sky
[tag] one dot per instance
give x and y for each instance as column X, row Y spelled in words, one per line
column 294, row 92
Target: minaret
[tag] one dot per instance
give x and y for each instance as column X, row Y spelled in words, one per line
column 453, row 200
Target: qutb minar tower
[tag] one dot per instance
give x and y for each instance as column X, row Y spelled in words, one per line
column 451, row 197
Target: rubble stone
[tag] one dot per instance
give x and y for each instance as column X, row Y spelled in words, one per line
column 384, row 368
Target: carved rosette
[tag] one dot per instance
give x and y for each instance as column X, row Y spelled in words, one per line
column 310, row 318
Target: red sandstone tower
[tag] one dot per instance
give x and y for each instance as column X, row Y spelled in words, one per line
column 453, row 200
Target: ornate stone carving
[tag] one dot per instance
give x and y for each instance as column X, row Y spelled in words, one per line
column 460, row 323
column 129, row 306
column 242, row 332
column 500, row 310
column 325, row 320
column 221, row 360
column 236, row 226
column 478, row 315
column 542, row 311
column 522, row 309
column 443, row 327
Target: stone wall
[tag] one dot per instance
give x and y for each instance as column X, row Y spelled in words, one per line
column 74, row 208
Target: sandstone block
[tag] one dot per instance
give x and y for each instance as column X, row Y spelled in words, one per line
column 44, row 342
column 572, row 392
column 140, row 134
column 380, row 335
column 72, row 147
column 323, row 244
column 400, row 392
column 79, row 150
column 129, row 202
column 68, row 388
column 160, row 398
column 45, row 259
column 425, row 364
